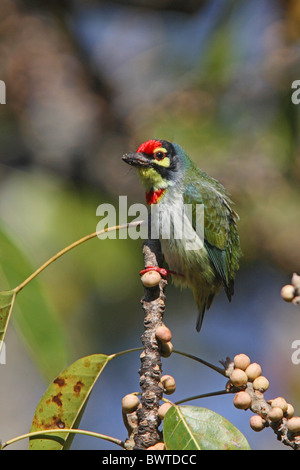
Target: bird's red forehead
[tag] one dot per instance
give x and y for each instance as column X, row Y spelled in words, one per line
column 149, row 146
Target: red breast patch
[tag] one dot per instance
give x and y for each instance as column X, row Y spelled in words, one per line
column 149, row 146
column 153, row 196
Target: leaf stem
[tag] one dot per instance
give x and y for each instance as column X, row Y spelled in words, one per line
column 204, row 395
column 56, row 431
column 120, row 353
column 70, row 247
column 208, row 364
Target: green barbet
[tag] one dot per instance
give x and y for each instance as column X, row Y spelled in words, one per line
column 173, row 183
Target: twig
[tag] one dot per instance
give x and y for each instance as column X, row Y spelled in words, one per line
column 46, row 432
column 198, row 359
column 203, row 395
column 74, row 245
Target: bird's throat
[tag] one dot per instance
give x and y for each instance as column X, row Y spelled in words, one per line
column 153, row 197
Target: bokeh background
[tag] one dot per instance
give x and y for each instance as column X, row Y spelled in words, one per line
column 87, row 81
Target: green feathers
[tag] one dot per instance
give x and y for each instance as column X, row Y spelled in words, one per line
column 220, row 233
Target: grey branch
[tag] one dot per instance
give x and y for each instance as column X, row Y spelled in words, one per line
column 153, row 304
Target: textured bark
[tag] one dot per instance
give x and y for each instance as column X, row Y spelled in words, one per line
column 153, row 304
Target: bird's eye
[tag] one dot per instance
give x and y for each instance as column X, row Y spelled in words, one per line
column 159, row 155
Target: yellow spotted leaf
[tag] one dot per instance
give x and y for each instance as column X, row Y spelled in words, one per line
column 64, row 401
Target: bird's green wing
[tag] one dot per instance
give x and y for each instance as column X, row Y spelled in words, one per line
column 221, row 239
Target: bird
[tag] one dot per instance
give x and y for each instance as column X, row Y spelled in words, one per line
column 172, row 183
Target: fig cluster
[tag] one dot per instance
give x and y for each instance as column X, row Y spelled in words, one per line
column 247, row 378
column 291, row 292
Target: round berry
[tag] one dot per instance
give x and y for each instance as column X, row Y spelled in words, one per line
column 157, row 446
column 280, row 402
column 163, row 334
column 293, row 424
column 238, row 377
column 151, row 278
column 169, row 384
column 253, row 371
column 162, row 410
column 257, row 423
column 288, row 292
column 261, row 383
column 241, row 361
column 242, row 400
column 296, row 300
column 130, row 403
column 296, row 280
column 275, row 414
column 290, row 411
column 166, row 349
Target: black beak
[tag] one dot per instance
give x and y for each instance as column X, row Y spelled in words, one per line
column 136, row 159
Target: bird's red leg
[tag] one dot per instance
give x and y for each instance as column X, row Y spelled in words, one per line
column 162, row 271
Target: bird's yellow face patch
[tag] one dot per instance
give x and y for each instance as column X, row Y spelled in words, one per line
column 151, row 178
column 154, row 175
column 160, row 157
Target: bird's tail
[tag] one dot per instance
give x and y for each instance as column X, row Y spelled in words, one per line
column 200, row 319
column 203, row 303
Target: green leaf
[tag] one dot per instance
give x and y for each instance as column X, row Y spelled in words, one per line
column 64, row 401
column 194, row 428
column 33, row 314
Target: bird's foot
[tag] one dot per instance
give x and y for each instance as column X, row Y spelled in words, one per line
column 162, row 271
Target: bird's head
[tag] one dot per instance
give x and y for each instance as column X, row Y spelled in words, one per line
column 159, row 163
